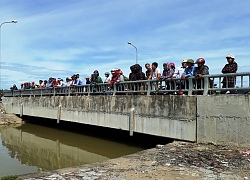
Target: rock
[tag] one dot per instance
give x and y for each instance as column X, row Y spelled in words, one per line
column 159, row 146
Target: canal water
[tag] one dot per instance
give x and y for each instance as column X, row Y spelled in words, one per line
column 30, row 148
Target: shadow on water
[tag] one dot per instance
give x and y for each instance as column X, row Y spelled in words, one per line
column 143, row 141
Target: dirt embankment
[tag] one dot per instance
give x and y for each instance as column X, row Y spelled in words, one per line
column 178, row 160
column 6, row 119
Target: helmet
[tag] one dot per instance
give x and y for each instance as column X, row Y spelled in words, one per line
column 230, row 56
column 190, row 61
column 107, row 73
column 184, row 61
column 200, row 60
column 171, row 64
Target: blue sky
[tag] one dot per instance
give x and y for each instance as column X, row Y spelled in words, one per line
column 61, row 37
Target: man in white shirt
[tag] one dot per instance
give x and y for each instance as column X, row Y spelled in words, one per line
column 108, row 77
column 179, row 71
column 156, row 72
column 155, row 75
column 68, row 81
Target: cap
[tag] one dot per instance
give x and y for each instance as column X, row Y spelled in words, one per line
column 230, row 56
column 172, row 64
column 86, row 77
column 190, row 61
column 184, row 61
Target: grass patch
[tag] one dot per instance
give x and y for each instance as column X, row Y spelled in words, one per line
column 9, row 178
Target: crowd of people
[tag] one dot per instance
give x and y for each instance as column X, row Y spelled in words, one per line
column 153, row 72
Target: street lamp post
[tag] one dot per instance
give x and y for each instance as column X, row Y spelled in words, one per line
column 135, row 51
column 13, row 21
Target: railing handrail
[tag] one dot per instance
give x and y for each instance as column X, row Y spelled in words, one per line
column 141, row 86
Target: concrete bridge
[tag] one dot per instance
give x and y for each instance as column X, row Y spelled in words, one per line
column 219, row 119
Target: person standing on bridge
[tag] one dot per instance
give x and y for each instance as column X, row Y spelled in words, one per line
column 231, row 67
column 199, row 71
column 168, row 72
column 155, row 72
column 108, row 77
column 188, row 72
column 95, row 78
column 178, row 73
column 87, row 80
column 148, row 70
column 180, row 70
column 68, row 81
column 79, row 81
column 155, row 75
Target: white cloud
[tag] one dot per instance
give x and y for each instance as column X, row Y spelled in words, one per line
column 59, row 38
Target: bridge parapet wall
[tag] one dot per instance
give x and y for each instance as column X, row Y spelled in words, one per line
column 167, row 116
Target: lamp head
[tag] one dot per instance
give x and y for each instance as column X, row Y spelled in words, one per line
column 14, row 21
column 129, row 43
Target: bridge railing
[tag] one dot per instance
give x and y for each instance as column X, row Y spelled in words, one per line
column 188, row 86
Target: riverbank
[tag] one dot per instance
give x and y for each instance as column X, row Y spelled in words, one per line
column 177, row 160
column 7, row 119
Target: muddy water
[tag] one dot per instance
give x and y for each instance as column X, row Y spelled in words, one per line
column 30, row 148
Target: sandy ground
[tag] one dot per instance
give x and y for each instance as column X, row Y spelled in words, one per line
column 6, row 119
column 178, row 160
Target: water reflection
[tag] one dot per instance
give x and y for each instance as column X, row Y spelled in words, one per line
column 51, row 149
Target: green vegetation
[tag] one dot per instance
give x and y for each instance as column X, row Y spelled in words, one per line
column 9, row 178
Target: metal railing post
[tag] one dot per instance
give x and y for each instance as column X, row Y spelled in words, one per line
column 148, row 87
column 114, row 89
column 88, row 89
column 241, row 81
column 249, row 81
column 69, row 91
column 206, row 85
column 190, row 86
